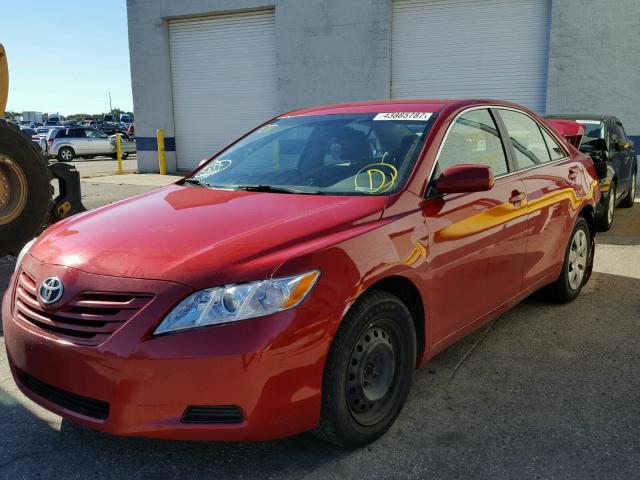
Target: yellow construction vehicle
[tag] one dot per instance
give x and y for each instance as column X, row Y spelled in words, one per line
column 26, row 203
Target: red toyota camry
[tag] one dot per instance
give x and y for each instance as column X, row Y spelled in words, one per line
column 295, row 281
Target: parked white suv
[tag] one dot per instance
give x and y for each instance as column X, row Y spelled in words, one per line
column 67, row 143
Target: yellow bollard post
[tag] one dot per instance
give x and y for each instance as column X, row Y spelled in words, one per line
column 161, row 159
column 119, row 151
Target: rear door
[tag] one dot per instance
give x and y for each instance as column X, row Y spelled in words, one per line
column 550, row 176
column 78, row 141
column 477, row 240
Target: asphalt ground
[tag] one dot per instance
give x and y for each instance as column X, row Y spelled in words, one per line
column 544, row 391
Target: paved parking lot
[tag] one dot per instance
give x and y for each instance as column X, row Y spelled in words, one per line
column 545, row 391
column 89, row 167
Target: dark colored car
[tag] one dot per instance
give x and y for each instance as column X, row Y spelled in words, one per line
column 619, row 188
column 295, row 280
column 112, row 128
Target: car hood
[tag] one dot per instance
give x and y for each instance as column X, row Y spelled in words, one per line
column 202, row 237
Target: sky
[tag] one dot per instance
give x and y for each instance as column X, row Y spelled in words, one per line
column 66, row 55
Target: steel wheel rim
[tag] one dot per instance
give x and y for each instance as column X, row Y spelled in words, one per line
column 612, row 203
column 372, row 374
column 13, row 190
column 578, row 254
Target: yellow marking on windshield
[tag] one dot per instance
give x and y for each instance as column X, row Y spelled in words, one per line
column 379, row 180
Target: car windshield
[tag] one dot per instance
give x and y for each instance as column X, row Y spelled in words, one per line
column 343, row 154
column 592, row 128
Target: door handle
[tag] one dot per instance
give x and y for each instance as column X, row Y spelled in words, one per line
column 517, row 197
column 573, row 174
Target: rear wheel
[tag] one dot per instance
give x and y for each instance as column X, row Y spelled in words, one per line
column 631, row 194
column 25, row 189
column 605, row 221
column 368, row 372
column 576, row 262
column 66, row 154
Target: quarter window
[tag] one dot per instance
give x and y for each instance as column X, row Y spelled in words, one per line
column 474, row 139
column 529, row 146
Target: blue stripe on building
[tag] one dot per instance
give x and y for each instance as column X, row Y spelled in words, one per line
column 150, row 144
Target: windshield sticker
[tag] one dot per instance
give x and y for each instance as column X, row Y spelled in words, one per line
column 376, row 178
column 589, row 122
column 214, row 167
column 420, row 116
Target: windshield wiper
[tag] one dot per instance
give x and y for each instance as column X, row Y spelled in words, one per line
column 195, row 181
column 276, row 189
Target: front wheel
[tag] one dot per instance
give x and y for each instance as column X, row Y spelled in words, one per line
column 369, row 371
column 631, row 193
column 577, row 259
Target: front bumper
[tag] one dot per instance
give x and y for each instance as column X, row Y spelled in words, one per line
column 270, row 368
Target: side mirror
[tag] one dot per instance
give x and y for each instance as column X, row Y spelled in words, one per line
column 465, row 178
column 622, row 144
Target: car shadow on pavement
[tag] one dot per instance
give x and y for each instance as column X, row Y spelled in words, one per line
column 546, row 390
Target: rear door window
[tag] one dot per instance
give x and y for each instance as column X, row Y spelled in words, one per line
column 526, row 138
column 473, row 139
column 555, row 150
column 75, row 133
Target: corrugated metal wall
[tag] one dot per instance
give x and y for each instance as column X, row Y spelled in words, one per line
column 471, row 48
column 224, row 80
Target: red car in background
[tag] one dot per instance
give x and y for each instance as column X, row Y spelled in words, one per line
column 295, row 280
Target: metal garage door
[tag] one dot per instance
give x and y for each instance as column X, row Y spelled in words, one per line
column 224, row 79
column 471, row 48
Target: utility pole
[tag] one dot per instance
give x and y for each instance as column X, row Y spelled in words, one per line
column 110, row 107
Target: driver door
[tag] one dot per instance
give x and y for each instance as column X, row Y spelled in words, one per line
column 99, row 143
column 477, row 241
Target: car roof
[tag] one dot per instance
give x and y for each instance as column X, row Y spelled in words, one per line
column 579, row 116
column 408, row 105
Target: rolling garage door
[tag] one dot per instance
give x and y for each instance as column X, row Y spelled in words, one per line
column 471, row 48
column 224, row 80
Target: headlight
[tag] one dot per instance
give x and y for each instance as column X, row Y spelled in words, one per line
column 238, row 302
column 23, row 252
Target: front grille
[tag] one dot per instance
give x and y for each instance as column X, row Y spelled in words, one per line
column 89, row 318
column 213, row 414
column 76, row 403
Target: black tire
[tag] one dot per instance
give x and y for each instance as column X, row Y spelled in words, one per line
column 605, row 221
column 363, row 390
column 564, row 289
column 631, row 193
column 62, row 154
column 124, row 156
column 21, row 164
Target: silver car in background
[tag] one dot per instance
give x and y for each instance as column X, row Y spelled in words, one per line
column 68, row 143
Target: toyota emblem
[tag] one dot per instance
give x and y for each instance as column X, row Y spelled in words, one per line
column 51, row 290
